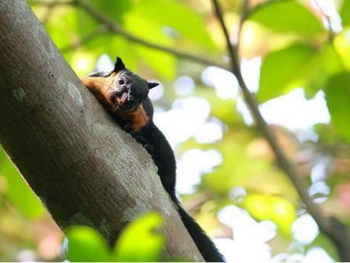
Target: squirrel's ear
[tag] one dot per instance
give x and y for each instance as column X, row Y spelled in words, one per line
column 119, row 65
column 151, row 85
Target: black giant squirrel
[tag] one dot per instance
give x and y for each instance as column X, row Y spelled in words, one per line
column 125, row 96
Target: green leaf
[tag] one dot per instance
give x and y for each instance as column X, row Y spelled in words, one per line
column 18, row 192
column 341, row 44
column 277, row 209
column 161, row 62
column 345, row 13
column 323, row 65
column 86, row 244
column 176, row 15
column 287, row 17
column 141, row 240
column 338, row 102
column 283, row 70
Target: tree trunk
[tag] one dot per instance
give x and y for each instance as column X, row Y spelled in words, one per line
column 75, row 158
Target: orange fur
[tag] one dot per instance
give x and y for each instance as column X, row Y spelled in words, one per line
column 102, row 87
column 139, row 118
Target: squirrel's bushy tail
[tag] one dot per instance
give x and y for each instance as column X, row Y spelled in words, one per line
column 205, row 246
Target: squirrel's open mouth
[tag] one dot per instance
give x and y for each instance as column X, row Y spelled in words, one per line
column 124, row 101
column 118, row 98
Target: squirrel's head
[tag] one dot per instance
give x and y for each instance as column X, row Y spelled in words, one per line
column 130, row 89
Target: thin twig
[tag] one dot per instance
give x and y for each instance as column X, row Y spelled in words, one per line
column 329, row 226
column 230, row 48
column 331, row 35
column 253, row 106
column 328, row 20
column 112, row 26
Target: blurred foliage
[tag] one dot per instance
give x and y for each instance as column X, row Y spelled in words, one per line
column 338, row 101
column 301, row 45
column 17, row 191
column 86, row 244
column 139, row 242
column 287, row 17
column 277, row 80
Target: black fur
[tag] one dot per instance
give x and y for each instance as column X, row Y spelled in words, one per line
column 119, row 65
column 164, row 158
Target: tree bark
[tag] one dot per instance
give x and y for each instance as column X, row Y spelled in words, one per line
column 84, row 168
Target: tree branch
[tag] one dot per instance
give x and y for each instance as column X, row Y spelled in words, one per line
column 113, row 27
column 82, row 166
column 97, row 32
column 53, row 3
column 334, row 229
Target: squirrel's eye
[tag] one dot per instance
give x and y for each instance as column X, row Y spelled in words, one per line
column 121, row 82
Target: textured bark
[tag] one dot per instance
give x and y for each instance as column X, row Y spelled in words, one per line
column 75, row 158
